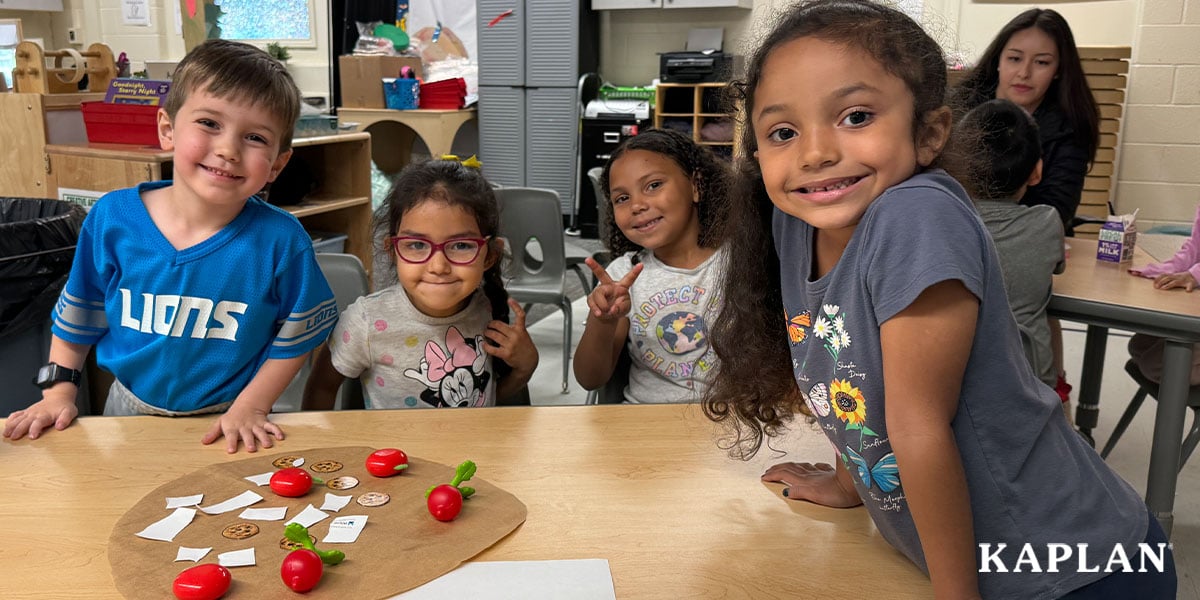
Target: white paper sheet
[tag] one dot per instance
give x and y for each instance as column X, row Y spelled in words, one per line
column 276, row 513
column 585, row 579
column 242, row 500
column 166, row 529
column 260, row 479
column 179, row 501
column 192, row 554
column 308, row 517
column 345, row 530
column 335, row 503
column 236, row 558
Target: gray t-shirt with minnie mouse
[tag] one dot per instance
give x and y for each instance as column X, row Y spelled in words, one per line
column 407, row 359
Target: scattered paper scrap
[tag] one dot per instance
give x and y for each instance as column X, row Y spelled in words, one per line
column 179, row 501
column 335, row 503
column 166, row 529
column 308, row 517
column 276, row 513
column 240, row 501
column 236, row 558
column 345, row 530
column 192, row 554
column 260, row 479
column 582, row 579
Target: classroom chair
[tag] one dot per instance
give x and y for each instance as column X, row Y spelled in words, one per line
column 531, row 223
column 348, row 280
column 1148, row 387
column 593, row 176
column 613, row 390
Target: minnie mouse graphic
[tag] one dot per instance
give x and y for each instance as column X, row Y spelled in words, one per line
column 456, row 376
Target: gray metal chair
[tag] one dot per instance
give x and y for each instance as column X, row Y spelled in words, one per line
column 593, row 175
column 531, row 222
column 348, row 280
column 1146, row 387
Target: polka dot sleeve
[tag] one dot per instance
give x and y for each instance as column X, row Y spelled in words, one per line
column 349, row 345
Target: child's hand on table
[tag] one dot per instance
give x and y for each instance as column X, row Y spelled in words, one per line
column 511, row 343
column 817, row 483
column 1183, row 280
column 245, row 423
column 53, row 410
column 610, row 300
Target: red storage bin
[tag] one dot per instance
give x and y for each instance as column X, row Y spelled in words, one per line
column 121, row 123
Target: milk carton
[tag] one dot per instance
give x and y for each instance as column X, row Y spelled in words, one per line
column 1117, row 238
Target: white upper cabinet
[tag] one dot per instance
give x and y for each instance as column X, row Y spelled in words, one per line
column 620, row 4
column 54, row 5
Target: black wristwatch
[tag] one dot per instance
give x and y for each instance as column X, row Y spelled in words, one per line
column 53, row 373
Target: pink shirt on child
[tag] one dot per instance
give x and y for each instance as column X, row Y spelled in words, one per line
column 1187, row 259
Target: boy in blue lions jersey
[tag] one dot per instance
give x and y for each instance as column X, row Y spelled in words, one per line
column 198, row 296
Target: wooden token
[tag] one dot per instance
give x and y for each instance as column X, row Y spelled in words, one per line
column 284, row 462
column 326, row 466
column 240, row 531
column 373, row 499
column 344, row 482
column 289, row 545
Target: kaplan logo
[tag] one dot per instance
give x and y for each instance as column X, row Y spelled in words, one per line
column 1147, row 558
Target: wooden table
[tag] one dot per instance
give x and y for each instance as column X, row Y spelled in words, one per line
column 1104, row 295
column 645, row 487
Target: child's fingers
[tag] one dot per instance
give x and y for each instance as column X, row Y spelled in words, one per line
column 213, row 434
column 630, row 277
column 597, row 270
column 274, row 430
column 518, row 313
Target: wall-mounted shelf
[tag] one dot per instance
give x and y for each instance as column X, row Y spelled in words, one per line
column 689, row 107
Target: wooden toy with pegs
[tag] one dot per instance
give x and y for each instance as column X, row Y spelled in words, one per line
column 33, row 76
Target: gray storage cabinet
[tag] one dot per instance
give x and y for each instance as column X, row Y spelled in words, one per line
column 529, row 68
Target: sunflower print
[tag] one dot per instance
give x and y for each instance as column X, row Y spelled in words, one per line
column 848, row 402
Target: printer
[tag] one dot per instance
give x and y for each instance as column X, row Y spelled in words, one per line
column 697, row 67
column 702, row 61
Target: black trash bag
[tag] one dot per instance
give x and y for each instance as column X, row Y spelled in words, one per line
column 37, row 245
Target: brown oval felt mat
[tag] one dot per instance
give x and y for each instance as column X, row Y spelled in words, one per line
column 401, row 547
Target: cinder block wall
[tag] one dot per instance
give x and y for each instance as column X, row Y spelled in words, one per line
column 1160, row 144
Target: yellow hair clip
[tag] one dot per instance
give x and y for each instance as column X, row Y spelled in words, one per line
column 472, row 162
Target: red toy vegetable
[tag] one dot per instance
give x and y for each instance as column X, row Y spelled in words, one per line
column 445, row 501
column 292, row 482
column 387, row 462
column 202, row 582
column 301, row 570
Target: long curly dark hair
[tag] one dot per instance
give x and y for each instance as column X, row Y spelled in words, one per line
column 1069, row 89
column 710, row 175
column 754, row 391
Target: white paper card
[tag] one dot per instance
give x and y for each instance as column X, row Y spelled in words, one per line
column 585, row 579
column 179, row 501
column 299, row 462
column 345, row 530
column 236, row 558
column 240, row 501
column 335, row 503
column 264, row 514
column 260, row 479
column 192, row 554
column 308, row 517
column 166, row 529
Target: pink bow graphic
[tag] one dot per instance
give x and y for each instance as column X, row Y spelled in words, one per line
column 440, row 365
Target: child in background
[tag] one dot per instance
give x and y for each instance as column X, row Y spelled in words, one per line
column 1001, row 141
column 1181, row 271
column 659, row 296
column 199, row 296
column 430, row 341
column 863, row 290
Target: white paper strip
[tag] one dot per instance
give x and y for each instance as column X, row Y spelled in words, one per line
column 308, row 517
column 192, row 554
column 237, row 558
column 345, row 530
column 240, row 501
column 179, row 501
column 166, row 529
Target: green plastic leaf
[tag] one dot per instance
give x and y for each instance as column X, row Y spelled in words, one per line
column 330, row 557
column 466, row 491
column 298, row 533
column 463, row 472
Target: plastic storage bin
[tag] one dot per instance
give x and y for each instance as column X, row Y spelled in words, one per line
column 121, row 123
column 324, row 241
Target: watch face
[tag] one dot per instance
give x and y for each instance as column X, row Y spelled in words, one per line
column 44, row 374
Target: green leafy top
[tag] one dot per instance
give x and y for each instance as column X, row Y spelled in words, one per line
column 298, row 533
